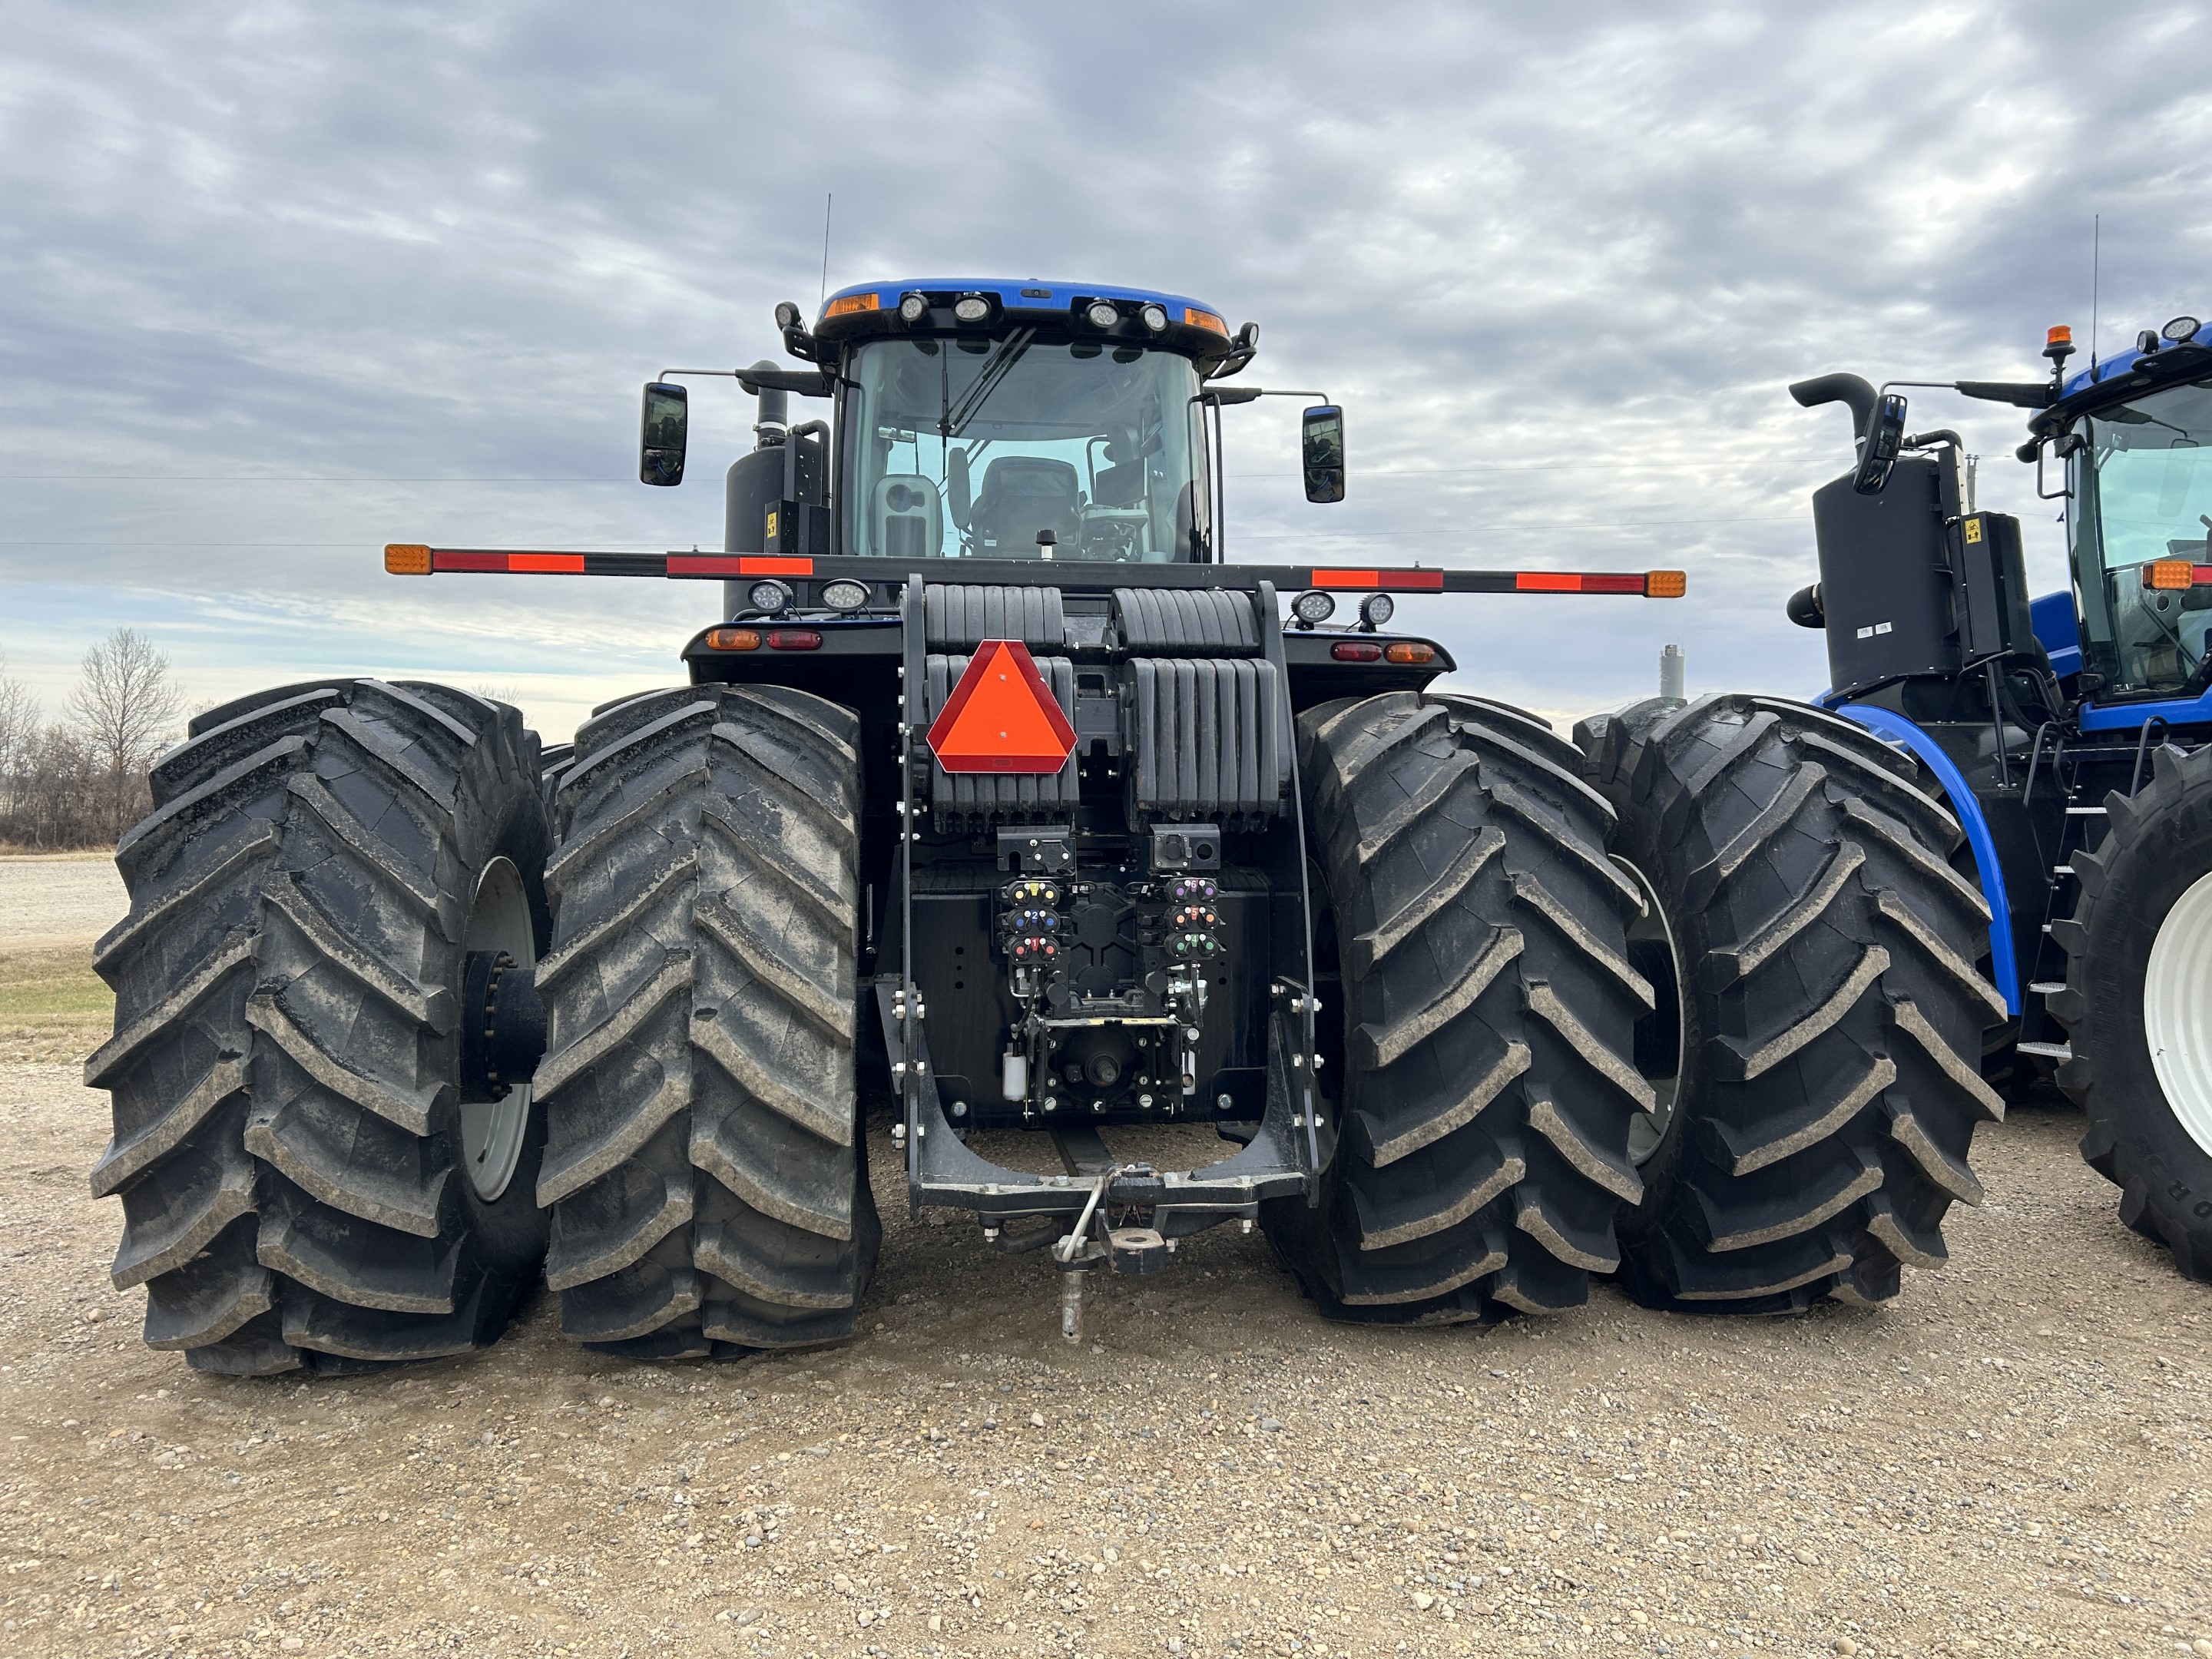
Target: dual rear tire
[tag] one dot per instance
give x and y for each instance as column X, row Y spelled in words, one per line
column 1695, row 1004
column 313, row 1167
column 1486, row 1088
column 1826, row 1082
column 307, row 1177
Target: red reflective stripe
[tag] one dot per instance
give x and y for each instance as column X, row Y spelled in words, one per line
column 1402, row 580
column 536, row 564
column 736, row 564
column 1567, row 581
column 2200, row 575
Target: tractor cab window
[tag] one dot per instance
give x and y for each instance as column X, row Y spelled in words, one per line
column 2144, row 492
column 1004, row 449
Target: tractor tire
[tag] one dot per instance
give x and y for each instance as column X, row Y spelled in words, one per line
column 704, row 1163
column 1826, row 1080
column 303, row 1182
column 553, row 760
column 1480, row 1149
column 2138, row 1006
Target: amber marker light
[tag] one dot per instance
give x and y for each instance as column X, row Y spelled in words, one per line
column 733, row 639
column 2172, row 574
column 851, row 305
column 1665, row 584
column 406, row 559
column 1193, row 317
column 1409, row 651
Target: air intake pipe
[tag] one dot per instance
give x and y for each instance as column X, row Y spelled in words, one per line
column 1848, row 389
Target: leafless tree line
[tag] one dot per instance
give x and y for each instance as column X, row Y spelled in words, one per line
column 79, row 779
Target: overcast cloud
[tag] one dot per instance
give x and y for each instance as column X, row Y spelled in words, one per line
column 1558, row 263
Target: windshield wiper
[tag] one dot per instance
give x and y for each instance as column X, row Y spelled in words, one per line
column 954, row 421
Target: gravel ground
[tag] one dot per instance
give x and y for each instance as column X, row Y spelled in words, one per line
column 63, row 898
column 2012, row 1456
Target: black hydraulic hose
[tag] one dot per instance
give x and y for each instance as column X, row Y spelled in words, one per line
column 2142, row 748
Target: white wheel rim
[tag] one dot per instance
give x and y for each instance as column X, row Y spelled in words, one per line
column 2177, row 1010
column 492, row 1130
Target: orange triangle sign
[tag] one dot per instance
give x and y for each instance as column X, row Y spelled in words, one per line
column 1002, row 717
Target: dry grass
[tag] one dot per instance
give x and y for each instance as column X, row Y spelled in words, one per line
column 53, row 1007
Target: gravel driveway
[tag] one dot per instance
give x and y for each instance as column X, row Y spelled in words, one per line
column 2015, row 1455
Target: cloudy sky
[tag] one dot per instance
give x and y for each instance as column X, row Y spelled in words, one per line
column 280, row 283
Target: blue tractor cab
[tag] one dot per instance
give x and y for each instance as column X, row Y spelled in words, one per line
column 2068, row 732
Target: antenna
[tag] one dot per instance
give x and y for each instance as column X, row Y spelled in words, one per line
column 827, row 202
column 2096, row 269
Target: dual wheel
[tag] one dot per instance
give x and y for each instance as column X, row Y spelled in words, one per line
column 1693, row 1002
column 334, row 981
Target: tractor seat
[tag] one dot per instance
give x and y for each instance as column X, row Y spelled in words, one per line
column 1021, row 496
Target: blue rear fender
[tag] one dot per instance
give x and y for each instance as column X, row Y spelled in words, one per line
column 2004, row 969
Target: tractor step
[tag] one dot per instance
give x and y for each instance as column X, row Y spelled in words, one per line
column 2061, row 1051
column 2046, row 987
column 2085, row 812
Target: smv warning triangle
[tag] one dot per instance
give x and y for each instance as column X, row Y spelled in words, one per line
column 1002, row 717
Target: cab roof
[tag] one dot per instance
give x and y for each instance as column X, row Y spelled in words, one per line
column 2123, row 375
column 1028, row 294
column 1054, row 309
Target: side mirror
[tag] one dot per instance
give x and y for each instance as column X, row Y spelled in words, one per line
column 1885, row 436
column 961, row 487
column 1321, row 445
column 662, row 435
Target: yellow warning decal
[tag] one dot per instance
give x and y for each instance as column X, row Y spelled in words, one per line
column 1973, row 529
column 772, row 517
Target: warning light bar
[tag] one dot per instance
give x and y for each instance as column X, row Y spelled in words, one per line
column 412, row 559
column 2172, row 574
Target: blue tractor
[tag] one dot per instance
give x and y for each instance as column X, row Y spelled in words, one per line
column 2069, row 733
column 995, row 801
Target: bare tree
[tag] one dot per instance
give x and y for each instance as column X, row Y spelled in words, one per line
column 126, row 705
column 18, row 731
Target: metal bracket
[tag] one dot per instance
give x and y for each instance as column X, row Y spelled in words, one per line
column 1271, row 632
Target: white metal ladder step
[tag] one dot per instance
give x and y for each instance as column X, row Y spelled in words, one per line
column 2046, row 987
column 2047, row 1050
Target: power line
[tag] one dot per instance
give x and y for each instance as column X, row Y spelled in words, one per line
column 253, row 478
column 1258, row 536
column 1468, row 529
